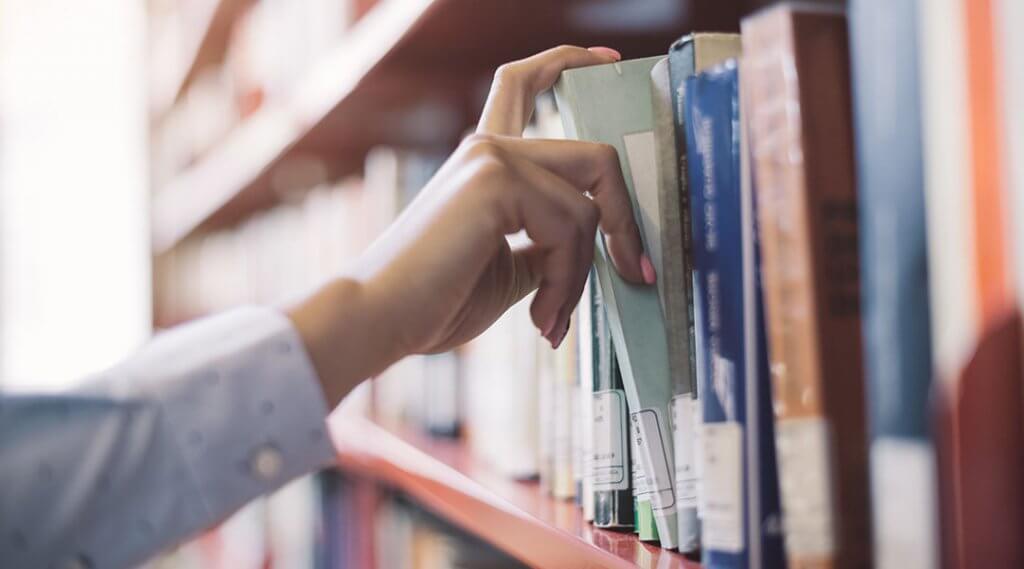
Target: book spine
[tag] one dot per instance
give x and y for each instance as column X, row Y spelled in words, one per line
column 894, row 277
column 976, row 335
column 764, row 511
column 611, row 456
column 713, row 156
column 586, row 358
column 673, row 272
column 565, row 414
column 808, row 221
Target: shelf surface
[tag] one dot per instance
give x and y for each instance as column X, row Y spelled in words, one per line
column 410, row 73
column 515, row 517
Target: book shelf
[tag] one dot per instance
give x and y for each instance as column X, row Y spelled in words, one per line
column 514, row 516
column 404, row 56
column 402, row 61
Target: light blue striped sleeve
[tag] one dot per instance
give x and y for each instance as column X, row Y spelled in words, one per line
column 203, row 419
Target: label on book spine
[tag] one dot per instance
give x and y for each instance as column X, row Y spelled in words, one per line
column 609, row 466
column 684, row 424
column 805, row 475
column 723, row 486
column 650, row 442
column 903, row 475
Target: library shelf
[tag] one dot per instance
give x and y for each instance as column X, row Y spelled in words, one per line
column 409, row 73
column 205, row 47
column 514, row 516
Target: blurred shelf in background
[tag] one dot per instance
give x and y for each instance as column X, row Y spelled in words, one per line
column 410, row 73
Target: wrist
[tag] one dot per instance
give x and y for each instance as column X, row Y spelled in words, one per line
column 345, row 333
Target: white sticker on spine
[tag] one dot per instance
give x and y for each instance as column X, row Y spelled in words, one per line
column 723, row 485
column 651, row 442
column 903, row 476
column 609, row 467
column 684, row 437
column 805, row 481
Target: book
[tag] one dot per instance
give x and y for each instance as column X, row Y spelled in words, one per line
column 565, row 415
column 975, row 318
column 741, row 513
column 610, row 448
column 797, row 63
column 688, row 55
column 502, row 399
column 894, row 281
column 583, row 429
column 612, row 104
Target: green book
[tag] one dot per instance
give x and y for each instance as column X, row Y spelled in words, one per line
column 612, row 104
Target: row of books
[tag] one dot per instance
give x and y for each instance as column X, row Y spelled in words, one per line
column 363, row 525
column 828, row 372
column 269, row 48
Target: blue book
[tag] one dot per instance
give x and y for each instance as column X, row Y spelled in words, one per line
column 894, row 280
column 741, row 501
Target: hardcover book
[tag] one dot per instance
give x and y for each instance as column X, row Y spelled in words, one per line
column 689, row 55
column 741, row 513
column 799, row 119
column 894, row 281
column 974, row 310
column 612, row 104
column 611, row 456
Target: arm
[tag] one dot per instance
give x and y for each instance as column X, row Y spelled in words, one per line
column 213, row 414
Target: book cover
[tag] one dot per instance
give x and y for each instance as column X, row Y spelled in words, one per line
column 741, row 496
column 688, row 55
column 894, row 282
column 612, row 104
column 975, row 318
column 799, row 119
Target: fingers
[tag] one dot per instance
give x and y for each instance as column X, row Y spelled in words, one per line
column 560, row 221
column 516, row 85
column 593, row 168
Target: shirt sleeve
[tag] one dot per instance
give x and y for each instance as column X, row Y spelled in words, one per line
column 203, row 419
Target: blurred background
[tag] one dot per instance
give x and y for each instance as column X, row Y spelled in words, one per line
column 164, row 159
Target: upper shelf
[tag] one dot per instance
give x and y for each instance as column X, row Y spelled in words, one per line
column 411, row 72
column 515, row 517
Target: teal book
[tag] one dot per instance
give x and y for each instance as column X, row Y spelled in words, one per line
column 611, row 104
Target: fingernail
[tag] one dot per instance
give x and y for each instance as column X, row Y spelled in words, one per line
column 546, row 331
column 607, row 51
column 647, row 269
column 561, row 336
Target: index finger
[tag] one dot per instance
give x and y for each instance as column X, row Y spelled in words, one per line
column 593, row 168
column 517, row 84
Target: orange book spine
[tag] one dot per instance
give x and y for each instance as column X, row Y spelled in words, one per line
column 802, row 147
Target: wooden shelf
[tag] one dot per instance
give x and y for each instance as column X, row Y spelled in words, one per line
column 206, row 47
column 410, row 73
column 515, row 517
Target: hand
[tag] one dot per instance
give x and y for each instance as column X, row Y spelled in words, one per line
column 444, row 271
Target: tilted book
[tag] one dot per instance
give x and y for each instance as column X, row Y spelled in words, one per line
column 612, row 104
column 894, row 282
column 689, row 55
column 797, row 63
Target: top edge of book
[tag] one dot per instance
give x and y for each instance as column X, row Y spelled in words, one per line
column 615, row 66
column 696, row 37
column 801, row 7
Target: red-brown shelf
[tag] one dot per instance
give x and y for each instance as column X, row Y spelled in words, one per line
column 516, row 517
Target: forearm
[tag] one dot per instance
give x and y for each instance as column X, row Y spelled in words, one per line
column 345, row 330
